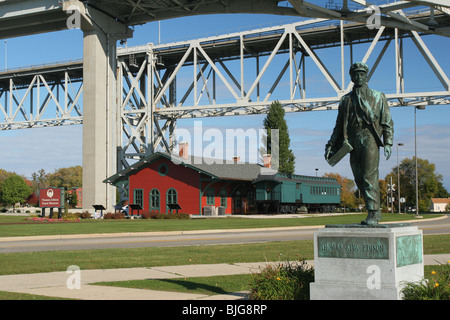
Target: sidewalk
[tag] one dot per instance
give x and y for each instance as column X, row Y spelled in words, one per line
column 54, row 284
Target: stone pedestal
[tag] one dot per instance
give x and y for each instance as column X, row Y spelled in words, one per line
column 356, row 262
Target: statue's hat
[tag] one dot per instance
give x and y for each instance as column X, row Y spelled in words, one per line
column 359, row 66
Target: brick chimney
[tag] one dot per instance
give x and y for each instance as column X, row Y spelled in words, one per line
column 183, row 150
column 267, row 158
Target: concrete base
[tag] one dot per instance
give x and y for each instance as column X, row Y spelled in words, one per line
column 354, row 262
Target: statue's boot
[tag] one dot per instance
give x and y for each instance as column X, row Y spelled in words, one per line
column 372, row 217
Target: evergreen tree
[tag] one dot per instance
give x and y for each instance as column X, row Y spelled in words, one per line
column 275, row 120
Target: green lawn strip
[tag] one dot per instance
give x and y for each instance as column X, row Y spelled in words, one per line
column 19, row 226
column 48, row 261
column 25, row 296
column 202, row 285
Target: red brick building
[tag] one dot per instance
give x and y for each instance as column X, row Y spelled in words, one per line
column 79, row 194
column 193, row 183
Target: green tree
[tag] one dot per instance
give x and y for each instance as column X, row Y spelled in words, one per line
column 4, row 174
column 429, row 182
column 275, row 120
column 14, row 189
column 39, row 180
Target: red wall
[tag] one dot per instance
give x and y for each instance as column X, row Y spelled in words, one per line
column 184, row 180
column 217, row 186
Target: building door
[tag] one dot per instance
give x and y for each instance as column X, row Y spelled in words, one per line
column 237, row 202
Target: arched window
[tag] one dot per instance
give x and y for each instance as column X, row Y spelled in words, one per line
column 154, row 199
column 171, row 197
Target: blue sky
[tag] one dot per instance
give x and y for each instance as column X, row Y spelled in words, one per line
column 27, row 151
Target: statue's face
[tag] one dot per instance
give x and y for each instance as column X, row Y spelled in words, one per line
column 359, row 78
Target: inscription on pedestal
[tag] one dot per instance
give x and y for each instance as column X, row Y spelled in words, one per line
column 353, row 247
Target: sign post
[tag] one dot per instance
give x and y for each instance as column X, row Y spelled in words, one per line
column 51, row 198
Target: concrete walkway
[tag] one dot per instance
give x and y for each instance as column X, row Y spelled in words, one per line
column 55, row 284
column 58, row 284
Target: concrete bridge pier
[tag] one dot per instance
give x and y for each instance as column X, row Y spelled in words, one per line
column 100, row 111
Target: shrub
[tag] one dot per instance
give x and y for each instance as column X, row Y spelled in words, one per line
column 285, row 281
column 71, row 217
column 117, row 215
column 85, row 215
column 436, row 287
column 178, row 216
column 155, row 214
column 145, row 215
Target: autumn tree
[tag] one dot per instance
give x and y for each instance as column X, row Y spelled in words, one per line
column 348, row 198
column 66, row 177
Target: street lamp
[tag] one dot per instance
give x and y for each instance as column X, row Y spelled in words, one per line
column 398, row 176
column 415, row 152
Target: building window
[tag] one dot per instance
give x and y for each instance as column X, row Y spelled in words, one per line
column 223, row 198
column 210, row 199
column 154, row 199
column 163, row 169
column 138, row 197
column 172, row 196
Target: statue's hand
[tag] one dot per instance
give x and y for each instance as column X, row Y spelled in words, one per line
column 387, row 151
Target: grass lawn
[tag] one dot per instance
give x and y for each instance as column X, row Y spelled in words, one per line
column 35, row 262
column 11, row 226
column 200, row 285
column 47, row 261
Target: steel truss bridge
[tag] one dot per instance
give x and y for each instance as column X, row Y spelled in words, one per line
column 240, row 73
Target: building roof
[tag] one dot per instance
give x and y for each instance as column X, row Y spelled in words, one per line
column 216, row 168
column 440, row 200
column 280, row 177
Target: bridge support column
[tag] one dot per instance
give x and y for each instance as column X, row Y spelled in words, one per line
column 99, row 105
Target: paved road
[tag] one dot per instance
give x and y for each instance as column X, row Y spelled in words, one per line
column 186, row 238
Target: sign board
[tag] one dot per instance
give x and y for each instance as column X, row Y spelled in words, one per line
column 51, row 198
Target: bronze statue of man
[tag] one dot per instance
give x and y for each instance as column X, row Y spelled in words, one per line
column 364, row 124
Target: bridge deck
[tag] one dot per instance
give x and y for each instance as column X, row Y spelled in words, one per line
column 317, row 33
